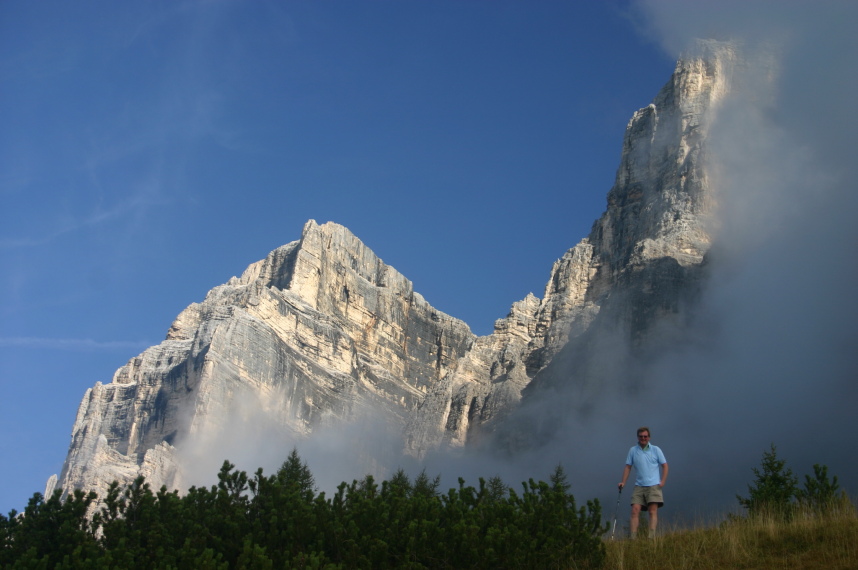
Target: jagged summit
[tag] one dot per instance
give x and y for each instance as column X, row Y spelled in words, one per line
column 322, row 331
column 317, row 331
column 660, row 198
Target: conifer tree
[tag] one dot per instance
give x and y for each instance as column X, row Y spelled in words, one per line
column 819, row 492
column 774, row 488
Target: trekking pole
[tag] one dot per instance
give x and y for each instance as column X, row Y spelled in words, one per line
column 616, row 510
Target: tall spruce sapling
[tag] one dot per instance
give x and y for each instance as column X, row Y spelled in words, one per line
column 774, row 488
column 296, row 474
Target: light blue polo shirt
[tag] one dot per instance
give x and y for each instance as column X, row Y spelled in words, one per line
column 646, row 462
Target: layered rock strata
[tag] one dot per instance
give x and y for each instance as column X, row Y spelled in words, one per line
column 318, row 332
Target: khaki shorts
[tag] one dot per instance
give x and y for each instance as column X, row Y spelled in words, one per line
column 646, row 495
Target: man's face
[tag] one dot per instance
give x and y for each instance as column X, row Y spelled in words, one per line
column 643, row 438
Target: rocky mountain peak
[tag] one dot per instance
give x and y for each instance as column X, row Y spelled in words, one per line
column 660, row 198
column 322, row 331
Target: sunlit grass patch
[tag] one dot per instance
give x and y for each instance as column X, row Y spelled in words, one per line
column 808, row 538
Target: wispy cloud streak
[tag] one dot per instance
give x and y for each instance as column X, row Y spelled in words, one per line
column 97, row 217
column 73, row 344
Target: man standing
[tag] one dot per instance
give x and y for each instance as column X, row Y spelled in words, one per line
column 650, row 476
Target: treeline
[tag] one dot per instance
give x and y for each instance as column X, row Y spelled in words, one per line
column 280, row 521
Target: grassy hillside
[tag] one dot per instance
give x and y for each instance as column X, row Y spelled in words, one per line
column 808, row 540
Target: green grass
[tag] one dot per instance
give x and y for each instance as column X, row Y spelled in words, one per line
column 808, row 540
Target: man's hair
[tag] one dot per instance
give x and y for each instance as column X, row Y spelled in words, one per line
column 646, row 429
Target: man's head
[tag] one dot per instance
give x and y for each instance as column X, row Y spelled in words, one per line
column 643, row 436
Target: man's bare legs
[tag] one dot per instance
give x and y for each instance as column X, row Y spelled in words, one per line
column 652, row 511
column 634, row 520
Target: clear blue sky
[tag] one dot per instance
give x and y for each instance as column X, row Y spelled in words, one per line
column 151, row 150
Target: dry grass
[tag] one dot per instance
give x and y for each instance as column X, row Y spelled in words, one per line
column 808, row 540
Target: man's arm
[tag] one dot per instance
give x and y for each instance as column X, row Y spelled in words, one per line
column 663, row 475
column 626, row 471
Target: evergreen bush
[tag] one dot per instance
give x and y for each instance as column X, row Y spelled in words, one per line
column 280, row 521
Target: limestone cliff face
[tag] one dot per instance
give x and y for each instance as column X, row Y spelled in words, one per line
column 317, row 332
column 322, row 331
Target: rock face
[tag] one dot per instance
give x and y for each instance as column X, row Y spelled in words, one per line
column 322, row 331
column 317, row 332
column 643, row 260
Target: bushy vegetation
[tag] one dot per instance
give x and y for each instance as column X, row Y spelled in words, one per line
column 279, row 521
column 775, row 491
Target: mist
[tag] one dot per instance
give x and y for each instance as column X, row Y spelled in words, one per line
column 769, row 354
column 255, row 429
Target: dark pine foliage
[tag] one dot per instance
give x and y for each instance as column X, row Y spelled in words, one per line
column 774, row 486
column 775, row 491
column 279, row 521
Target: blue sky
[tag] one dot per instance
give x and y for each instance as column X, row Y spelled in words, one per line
column 151, row 150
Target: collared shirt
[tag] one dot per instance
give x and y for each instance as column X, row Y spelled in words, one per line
column 646, row 461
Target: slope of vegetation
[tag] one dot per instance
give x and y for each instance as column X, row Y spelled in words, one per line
column 280, row 521
column 807, row 540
